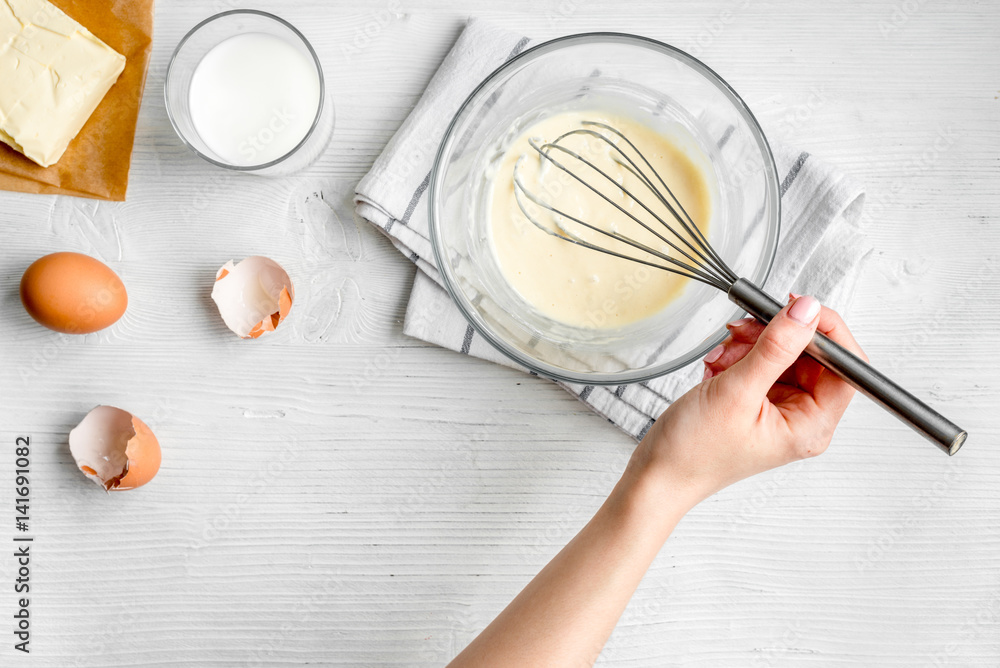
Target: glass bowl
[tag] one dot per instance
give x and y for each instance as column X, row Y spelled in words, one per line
column 206, row 36
column 653, row 83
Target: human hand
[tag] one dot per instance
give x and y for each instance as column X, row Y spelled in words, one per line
column 761, row 405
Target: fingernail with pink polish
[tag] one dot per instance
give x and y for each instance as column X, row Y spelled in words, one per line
column 794, row 295
column 708, row 374
column 804, row 310
column 715, row 354
column 739, row 323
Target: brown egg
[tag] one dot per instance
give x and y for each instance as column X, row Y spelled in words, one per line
column 72, row 293
column 115, row 449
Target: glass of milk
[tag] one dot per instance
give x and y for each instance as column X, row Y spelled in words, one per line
column 245, row 91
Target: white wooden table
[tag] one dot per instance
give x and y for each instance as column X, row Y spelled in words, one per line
column 338, row 494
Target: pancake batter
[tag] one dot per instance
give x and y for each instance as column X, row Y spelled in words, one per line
column 575, row 285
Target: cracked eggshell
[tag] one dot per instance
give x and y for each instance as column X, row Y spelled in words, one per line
column 115, row 449
column 253, row 296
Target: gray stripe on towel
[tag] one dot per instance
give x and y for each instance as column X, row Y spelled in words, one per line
column 649, row 425
column 792, row 173
column 523, row 42
column 786, row 183
column 416, row 198
column 405, row 220
column 467, row 342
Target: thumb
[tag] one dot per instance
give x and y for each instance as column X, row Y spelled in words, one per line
column 776, row 349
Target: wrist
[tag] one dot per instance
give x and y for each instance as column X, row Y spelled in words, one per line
column 654, row 495
column 655, row 470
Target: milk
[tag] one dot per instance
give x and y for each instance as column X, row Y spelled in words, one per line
column 253, row 98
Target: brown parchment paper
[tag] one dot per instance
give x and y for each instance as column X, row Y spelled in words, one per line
column 97, row 161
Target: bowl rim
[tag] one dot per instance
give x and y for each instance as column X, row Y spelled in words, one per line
column 319, row 71
column 537, row 366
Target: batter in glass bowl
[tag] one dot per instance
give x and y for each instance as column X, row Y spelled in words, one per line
column 568, row 283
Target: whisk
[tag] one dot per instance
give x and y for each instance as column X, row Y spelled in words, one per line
column 698, row 260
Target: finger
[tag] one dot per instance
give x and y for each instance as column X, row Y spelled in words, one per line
column 776, row 349
column 734, row 351
column 746, row 330
column 731, row 352
column 742, row 335
column 807, row 372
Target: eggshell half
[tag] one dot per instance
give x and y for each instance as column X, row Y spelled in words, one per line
column 72, row 293
column 115, row 449
column 253, row 296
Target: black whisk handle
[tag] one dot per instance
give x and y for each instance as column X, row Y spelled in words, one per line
column 922, row 418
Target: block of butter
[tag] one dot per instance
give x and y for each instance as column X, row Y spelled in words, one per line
column 53, row 74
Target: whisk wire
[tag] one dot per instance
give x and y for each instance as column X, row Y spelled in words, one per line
column 544, row 151
column 689, row 226
column 684, row 269
column 705, row 252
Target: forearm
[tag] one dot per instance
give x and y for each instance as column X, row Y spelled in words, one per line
column 566, row 613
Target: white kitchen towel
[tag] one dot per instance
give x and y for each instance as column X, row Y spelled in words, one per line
column 821, row 250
